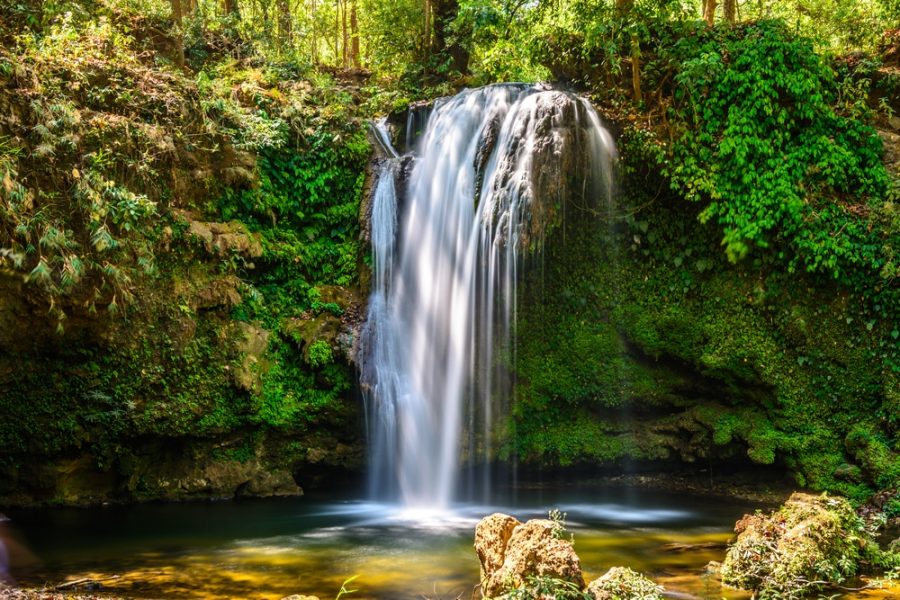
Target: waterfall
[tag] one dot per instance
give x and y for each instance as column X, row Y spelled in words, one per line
column 496, row 168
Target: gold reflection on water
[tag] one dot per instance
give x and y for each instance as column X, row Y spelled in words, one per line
column 256, row 571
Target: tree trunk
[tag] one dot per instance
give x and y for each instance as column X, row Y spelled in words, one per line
column 636, row 68
column 337, row 34
column 345, row 37
column 314, row 54
column 444, row 11
column 285, row 25
column 178, row 19
column 354, row 36
column 426, row 39
column 730, row 7
column 709, row 11
column 230, row 7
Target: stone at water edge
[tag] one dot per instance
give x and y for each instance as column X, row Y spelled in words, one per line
column 622, row 582
column 491, row 536
column 533, row 550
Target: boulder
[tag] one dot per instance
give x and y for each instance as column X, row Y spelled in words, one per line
column 621, row 583
column 225, row 239
column 491, row 536
column 534, row 549
column 809, row 541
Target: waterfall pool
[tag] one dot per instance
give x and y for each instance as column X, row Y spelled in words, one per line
column 273, row 548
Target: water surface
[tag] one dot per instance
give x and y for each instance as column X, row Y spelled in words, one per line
column 274, row 548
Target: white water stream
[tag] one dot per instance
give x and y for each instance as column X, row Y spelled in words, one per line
column 494, row 169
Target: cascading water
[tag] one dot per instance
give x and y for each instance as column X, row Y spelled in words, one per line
column 496, row 168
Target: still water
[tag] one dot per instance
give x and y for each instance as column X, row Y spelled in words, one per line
column 274, row 548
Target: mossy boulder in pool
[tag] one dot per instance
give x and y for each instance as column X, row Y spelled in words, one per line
column 807, row 544
column 622, row 583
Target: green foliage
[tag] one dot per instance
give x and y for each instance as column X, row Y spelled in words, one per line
column 807, row 544
column 320, row 354
column 679, row 354
column 70, row 208
column 559, row 530
column 111, row 158
column 622, row 583
column 305, row 207
column 545, row 586
column 873, row 452
column 772, row 159
column 344, row 591
column 293, row 396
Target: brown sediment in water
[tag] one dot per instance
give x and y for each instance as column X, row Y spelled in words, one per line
column 673, row 559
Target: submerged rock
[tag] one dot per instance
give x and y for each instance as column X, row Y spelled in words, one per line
column 807, row 544
column 533, row 549
column 622, row 583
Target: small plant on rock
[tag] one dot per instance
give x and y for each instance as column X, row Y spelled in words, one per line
column 544, row 587
column 559, row 525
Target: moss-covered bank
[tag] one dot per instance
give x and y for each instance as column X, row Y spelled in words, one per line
column 179, row 270
column 639, row 342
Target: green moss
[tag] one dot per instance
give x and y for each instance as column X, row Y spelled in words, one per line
column 641, row 336
column 808, row 543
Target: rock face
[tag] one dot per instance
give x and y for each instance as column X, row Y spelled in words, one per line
column 810, row 539
column 621, row 583
column 532, row 549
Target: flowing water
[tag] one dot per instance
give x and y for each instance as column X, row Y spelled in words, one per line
column 494, row 168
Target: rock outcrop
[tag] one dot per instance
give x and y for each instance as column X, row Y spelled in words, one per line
column 491, row 537
column 513, row 553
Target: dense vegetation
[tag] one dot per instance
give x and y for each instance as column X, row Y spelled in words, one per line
column 181, row 255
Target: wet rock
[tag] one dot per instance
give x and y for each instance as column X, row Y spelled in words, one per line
column 809, row 542
column 225, row 239
column 621, row 583
column 270, row 484
column 526, row 188
column 203, row 475
column 223, row 292
column 335, row 321
column 491, row 536
column 534, row 549
column 251, row 342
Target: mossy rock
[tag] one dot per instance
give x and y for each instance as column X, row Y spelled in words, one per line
column 622, row 583
column 807, row 544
